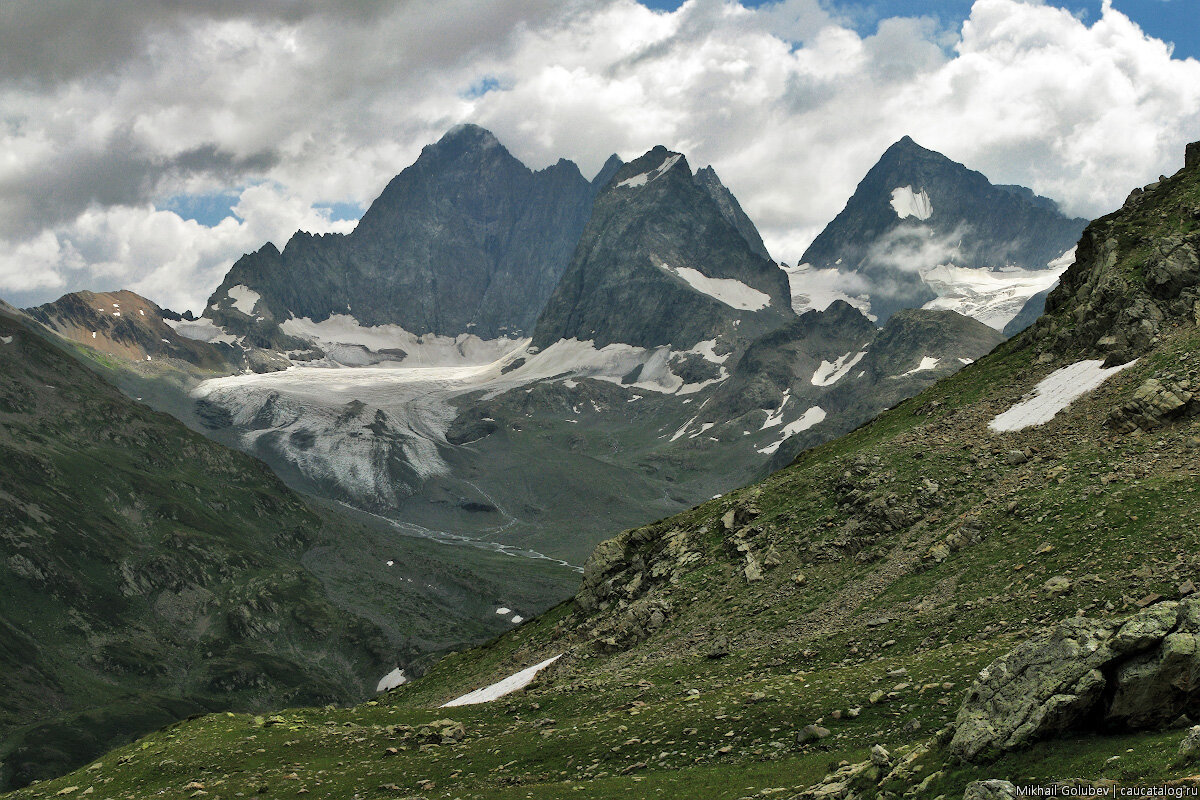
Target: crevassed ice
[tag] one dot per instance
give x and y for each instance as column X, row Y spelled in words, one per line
column 907, row 203
column 501, row 688
column 1054, row 393
column 992, row 296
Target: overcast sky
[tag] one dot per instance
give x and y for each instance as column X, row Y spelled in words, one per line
column 146, row 145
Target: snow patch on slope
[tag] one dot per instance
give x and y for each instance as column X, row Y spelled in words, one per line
column 501, row 688
column 1054, row 393
column 808, row 419
column 390, row 681
column 830, row 373
column 907, row 203
column 244, row 298
column 731, row 292
column 927, row 363
column 652, row 175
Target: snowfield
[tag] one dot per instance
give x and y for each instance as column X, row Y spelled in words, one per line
column 501, row 688
column 390, row 681
column 202, row 330
column 830, row 373
column 907, row 203
column 429, row 350
column 808, row 419
column 1054, row 393
column 927, row 362
column 731, row 292
column 244, row 298
column 992, row 296
column 652, row 175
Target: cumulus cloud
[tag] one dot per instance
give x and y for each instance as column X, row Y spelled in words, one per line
column 292, row 105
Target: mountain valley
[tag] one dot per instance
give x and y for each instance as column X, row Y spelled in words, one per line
column 463, row 467
column 989, row 585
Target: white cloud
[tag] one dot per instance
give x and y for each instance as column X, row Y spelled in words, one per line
column 789, row 103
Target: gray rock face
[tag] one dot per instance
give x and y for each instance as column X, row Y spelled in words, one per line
column 466, row 240
column 1133, row 674
column 1154, row 404
column 731, row 209
column 958, row 216
column 1125, row 286
column 889, row 370
column 660, row 263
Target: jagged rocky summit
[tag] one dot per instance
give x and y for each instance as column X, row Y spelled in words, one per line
column 466, row 240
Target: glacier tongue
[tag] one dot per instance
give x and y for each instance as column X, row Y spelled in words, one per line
column 375, row 434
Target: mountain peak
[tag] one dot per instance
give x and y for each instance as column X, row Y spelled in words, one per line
column 916, row 209
column 469, row 132
column 612, row 165
column 653, row 164
column 907, row 148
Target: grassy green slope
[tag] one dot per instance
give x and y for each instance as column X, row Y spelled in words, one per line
column 895, row 563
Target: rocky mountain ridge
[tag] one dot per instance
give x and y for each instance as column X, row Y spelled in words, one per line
column 466, row 240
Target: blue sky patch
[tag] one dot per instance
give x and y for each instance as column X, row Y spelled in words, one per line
column 1176, row 21
column 207, row 209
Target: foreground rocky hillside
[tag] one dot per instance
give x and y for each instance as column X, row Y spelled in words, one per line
column 990, row 582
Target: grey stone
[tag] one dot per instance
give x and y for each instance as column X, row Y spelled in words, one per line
column 990, row 790
column 1189, row 748
column 811, row 733
column 1138, row 673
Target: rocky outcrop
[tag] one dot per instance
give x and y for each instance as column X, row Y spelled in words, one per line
column 990, row 790
column 1155, row 403
column 1137, row 673
column 1136, row 272
column 624, row 581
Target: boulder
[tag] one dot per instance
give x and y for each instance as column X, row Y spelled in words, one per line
column 1134, row 674
column 1189, row 748
column 811, row 733
column 990, row 790
column 1153, row 404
